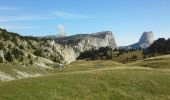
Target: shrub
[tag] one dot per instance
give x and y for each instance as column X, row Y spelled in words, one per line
column 14, row 40
column 31, row 62
column 55, row 59
column 6, row 36
column 2, row 47
column 39, row 53
column 29, row 56
column 17, row 52
column 21, row 59
column 1, row 60
column 21, row 47
column 8, row 56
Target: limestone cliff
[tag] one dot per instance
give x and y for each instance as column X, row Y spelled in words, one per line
column 58, row 49
column 75, row 44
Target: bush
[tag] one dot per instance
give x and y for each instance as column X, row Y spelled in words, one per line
column 2, row 47
column 17, row 53
column 39, row 53
column 6, row 36
column 29, row 56
column 8, row 56
column 15, row 41
column 1, row 60
column 31, row 62
column 21, row 59
column 21, row 47
column 55, row 59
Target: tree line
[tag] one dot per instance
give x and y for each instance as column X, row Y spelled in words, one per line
column 160, row 46
column 101, row 53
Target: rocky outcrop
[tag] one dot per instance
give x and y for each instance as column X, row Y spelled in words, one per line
column 57, row 49
column 145, row 41
column 71, row 46
column 84, row 42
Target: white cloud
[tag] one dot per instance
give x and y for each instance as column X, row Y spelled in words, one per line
column 19, row 27
column 67, row 15
column 7, row 8
column 21, row 18
column 55, row 15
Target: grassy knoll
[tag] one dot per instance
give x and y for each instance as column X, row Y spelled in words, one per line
column 155, row 62
column 93, row 80
column 126, row 57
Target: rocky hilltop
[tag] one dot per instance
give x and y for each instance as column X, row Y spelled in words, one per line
column 45, row 52
column 145, row 41
column 84, row 42
column 70, row 47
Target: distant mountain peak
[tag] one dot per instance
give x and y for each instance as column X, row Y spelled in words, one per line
column 147, row 37
column 145, row 41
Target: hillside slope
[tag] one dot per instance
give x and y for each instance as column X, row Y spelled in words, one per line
column 160, row 62
column 97, row 80
column 58, row 49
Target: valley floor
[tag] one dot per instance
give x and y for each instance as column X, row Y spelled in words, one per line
column 95, row 80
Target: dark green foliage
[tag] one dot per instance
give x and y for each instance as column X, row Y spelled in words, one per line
column 8, row 56
column 21, row 47
column 1, row 60
column 39, row 52
column 31, row 62
column 15, row 41
column 102, row 53
column 17, row 53
column 55, row 59
column 6, row 36
column 29, row 56
column 160, row 46
column 2, row 47
column 30, row 38
column 21, row 59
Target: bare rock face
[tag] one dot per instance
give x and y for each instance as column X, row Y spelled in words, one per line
column 71, row 46
column 56, row 49
column 145, row 41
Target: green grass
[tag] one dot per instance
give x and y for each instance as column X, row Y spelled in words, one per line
column 122, row 58
column 12, row 68
column 95, row 80
column 156, row 62
column 107, row 85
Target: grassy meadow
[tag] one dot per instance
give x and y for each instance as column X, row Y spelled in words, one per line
column 147, row 79
column 126, row 57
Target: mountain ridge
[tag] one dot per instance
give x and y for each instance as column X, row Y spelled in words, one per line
column 19, row 47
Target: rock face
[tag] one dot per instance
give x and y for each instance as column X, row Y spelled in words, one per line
column 145, row 41
column 56, row 49
column 70, row 47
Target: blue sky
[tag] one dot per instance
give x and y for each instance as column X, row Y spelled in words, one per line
column 127, row 19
